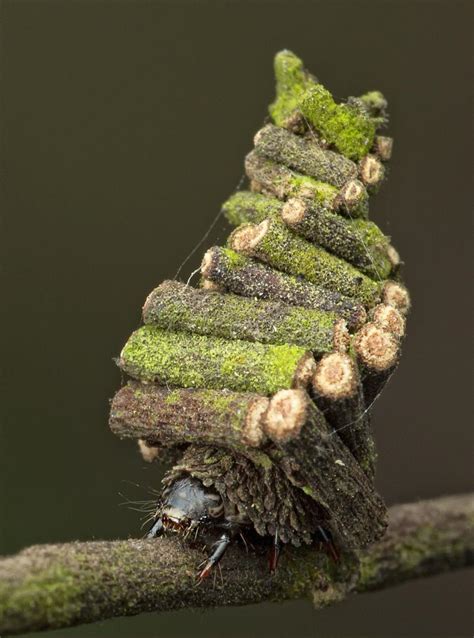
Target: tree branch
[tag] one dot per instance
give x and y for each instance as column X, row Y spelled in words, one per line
column 52, row 586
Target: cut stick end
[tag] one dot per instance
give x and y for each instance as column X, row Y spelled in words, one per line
column 396, row 295
column 389, row 318
column 168, row 285
column 304, row 372
column 211, row 286
column 371, row 170
column 393, row 256
column 148, row 452
column 359, row 318
column 207, row 263
column 286, row 415
column 342, row 338
column 147, row 305
column 336, row 377
column 351, row 194
column 245, row 238
column 259, row 134
column 376, row 348
column 255, row 186
column 383, row 147
column 293, row 211
column 307, row 191
column 252, row 433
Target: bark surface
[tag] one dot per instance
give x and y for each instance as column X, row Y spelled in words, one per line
column 54, row 586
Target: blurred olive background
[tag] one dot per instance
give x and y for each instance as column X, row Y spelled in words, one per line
column 125, row 125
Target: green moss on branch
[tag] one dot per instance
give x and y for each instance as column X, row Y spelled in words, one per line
column 57, row 586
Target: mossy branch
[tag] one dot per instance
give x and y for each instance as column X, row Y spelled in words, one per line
column 52, row 586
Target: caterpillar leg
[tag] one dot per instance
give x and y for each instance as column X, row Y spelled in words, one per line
column 274, row 554
column 328, row 544
column 156, row 530
column 218, row 550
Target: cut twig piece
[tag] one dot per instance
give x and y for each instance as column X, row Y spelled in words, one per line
column 283, row 182
column 371, row 172
column 394, row 257
column 273, row 243
column 276, row 179
column 249, row 278
column 173, row 417
column 348, row 128
column 195, row 361
column 383, row 147
column 352, row 200
column 389, row 318
column 338, row 392
column 246, row 207
column 395, row 294
column 324, row 468
column 178, row 307
column 149, row 451
column 374, row 104
column 342, row 125
column 207, row 284
column 358, row 241
column 304, row 155
column 378, row 352
column 291, row 81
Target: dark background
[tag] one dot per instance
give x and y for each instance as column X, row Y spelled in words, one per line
column 125, row 125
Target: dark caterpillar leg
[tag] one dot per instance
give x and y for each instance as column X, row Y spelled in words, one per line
column 274, row 554
column 156, row 530
column 326, row 539
column 217, row 552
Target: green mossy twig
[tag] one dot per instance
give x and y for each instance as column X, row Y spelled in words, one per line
column 169, row 418
column 249, row 278
column 195, row 361
column 323, row 466
column 58, row 586
column 305, row 155
column 338, row 392
column 178, row 307
column 377, row 351
column 349, row 127
column 278, row 180
column 246, row 207
column 358, row 241
column 274, row 244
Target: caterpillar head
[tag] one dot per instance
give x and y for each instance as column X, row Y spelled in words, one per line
column 186, row 503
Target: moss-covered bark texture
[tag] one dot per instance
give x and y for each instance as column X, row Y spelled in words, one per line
column 196, row 361
column 234, row 364
column 57, row 586
column 175, row 306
